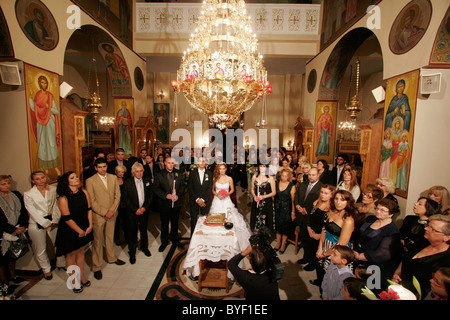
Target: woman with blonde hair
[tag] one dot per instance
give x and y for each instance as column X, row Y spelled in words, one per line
column 41, row 204
column 388, row 186
column 441, row 195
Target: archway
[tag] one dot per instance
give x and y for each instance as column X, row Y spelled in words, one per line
column 338, row 85
column 85, row 64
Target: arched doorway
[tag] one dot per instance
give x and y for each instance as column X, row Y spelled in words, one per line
column 86, row 66
column 338, row 85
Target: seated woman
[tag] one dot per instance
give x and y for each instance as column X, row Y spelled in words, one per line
column 388, row 187
column 379, row 241
column 422, row 263
column 350, row 183
column 338, row 227
column 413, row 227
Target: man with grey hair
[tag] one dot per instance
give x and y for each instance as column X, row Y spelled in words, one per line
column 137, row 192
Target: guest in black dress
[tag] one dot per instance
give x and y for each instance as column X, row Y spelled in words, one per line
column 263, row 210
column 13, row 221
column 413, row 227
column 315, row 222
column 75, row 229
column 284, row 212
column 422, row 263
column 379, row 242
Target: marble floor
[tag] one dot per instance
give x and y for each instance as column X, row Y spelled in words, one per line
column 133, row 282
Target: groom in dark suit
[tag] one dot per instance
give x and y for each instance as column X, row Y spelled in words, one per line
column 200, row 186
column 170, row 201
column 137, row 192
column 306, row 194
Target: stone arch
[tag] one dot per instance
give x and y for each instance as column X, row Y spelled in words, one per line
column 338, row 61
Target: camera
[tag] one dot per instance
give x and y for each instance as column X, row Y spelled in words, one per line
column 261, row 239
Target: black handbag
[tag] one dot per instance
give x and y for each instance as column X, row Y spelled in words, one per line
column 49, row 217
column 19, row 247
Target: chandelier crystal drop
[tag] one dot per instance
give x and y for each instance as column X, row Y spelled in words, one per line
column 221, row 74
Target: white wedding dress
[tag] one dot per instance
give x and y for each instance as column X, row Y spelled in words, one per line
column 215, row 243
column 241, row 227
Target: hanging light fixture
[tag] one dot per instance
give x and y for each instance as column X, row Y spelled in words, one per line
column 94, row 105
column 354, row 106
column 221, row 73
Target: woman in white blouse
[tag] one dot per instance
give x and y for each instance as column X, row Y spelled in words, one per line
column 350, row 183
column 41, row 204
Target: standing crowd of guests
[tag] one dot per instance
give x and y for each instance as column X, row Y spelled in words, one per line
column 343, row 229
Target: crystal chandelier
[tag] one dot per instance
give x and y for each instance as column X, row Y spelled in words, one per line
column 222, row 74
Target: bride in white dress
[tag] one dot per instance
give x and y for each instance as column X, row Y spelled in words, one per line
column 217, row 245
column 221, row 204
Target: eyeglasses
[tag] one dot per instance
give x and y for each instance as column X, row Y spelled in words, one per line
column 368, row 195
column 380, row 184
column 382, row 209
column 433, row 229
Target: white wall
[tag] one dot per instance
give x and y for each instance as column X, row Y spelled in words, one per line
column 430, row 152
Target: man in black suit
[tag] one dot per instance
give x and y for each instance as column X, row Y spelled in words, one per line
column 137, row 192
column 149, row 167
column 119, row 160
column 306, row 194
column 200, row 186
column 170, row 201
column 338, row 169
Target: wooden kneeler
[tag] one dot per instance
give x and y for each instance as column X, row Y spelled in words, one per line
column 213, row 275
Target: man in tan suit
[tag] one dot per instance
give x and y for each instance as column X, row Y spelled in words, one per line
column 104, row 191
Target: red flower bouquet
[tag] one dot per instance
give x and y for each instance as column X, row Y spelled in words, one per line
column 223, row 193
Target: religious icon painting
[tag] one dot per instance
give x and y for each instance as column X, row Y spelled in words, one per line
column 324, row 133
column 410, row 26
column 123, row 126
column 193, row 70
column 117, row 69
column 162, row 119
column 399, row 116
column 218, row 69
column 441, row 49
column 244, row 71
column 44, row 121
column 37, row 23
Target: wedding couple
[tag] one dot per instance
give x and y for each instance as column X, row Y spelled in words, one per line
column 201, row 184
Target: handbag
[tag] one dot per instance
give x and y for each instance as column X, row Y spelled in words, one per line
column 19, row 247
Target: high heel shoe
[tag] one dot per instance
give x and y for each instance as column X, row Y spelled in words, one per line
column 283, row 251
column 276, row 249
column 80, row 290
column 86, row 284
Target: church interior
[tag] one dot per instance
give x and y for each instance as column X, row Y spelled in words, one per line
column 347, row 58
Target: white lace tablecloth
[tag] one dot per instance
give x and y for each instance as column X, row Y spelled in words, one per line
column 213, row 243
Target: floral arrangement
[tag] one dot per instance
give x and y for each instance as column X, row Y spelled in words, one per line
column 395, row 292
column 4, row 293
column 251, row 169
column 223, row 193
